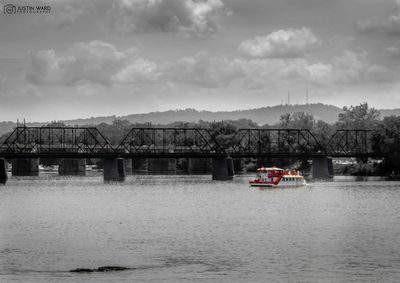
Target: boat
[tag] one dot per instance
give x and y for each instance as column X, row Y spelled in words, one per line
column 277, row 177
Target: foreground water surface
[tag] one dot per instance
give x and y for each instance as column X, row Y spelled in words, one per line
column 192, row 229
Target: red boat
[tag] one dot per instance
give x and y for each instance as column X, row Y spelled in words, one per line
column 277, row 177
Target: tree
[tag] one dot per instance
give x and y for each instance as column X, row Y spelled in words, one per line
column 358, row 117
column 386, row 142
column 56, row 124
column 116, row 131
column 224, row 133
column 297, row 120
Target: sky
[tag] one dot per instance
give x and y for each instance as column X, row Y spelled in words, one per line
column 92, row 58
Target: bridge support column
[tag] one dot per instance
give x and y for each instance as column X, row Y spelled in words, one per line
column 25, row 167
column 3, row 171
column 322, row 167
column 222, row 169
column 128, row 166
column 114, row 170
column 72, row 167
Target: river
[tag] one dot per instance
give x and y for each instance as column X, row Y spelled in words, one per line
column 192, row 229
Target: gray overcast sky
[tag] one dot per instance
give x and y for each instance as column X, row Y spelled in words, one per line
column 96, row 58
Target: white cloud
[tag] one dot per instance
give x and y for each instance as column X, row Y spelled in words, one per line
column 214, row 72
column 43, row 68
column 261, row 73
column 393, row 51
column 379, row 73
column 139, row 70
column 204, row 70
column 186, row 16
column 103, row 64
column 351, row 67
column 96, row 62
column 65, row 13
column 280, row 44
column 389, row 25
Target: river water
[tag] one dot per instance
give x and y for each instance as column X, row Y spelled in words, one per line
column 192, row 229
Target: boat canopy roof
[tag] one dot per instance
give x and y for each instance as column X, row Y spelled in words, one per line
column 267, row 169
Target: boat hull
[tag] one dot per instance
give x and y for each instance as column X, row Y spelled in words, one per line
column 280, row 184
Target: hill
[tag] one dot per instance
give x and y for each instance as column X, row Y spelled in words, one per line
column 265, row 115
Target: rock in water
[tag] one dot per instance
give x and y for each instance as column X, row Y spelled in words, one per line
column 101, row 269
column 111, row 268
column 82, row 270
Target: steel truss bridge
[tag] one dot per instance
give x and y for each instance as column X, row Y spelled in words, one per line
column 89, row 142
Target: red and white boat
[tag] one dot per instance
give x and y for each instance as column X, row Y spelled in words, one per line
column 277, row 177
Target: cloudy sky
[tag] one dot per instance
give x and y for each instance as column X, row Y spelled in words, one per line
column 104, row 57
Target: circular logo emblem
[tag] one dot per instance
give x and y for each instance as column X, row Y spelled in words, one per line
column 10, row 9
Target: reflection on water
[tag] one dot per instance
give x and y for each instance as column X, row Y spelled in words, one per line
column 189, row 228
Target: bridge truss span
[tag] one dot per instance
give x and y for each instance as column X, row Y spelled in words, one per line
column 351, row 143
column 55, row 142
column 89, row 142
column 276, row 142
column 170, row 142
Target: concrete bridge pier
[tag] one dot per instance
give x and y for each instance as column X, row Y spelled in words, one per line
column 114, row 170
column 3, row 171
column 25, row 167
column 222, row 169
column 322, row 167
column 72, row 167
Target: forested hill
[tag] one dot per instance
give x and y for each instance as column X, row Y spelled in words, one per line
column 264, row 115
